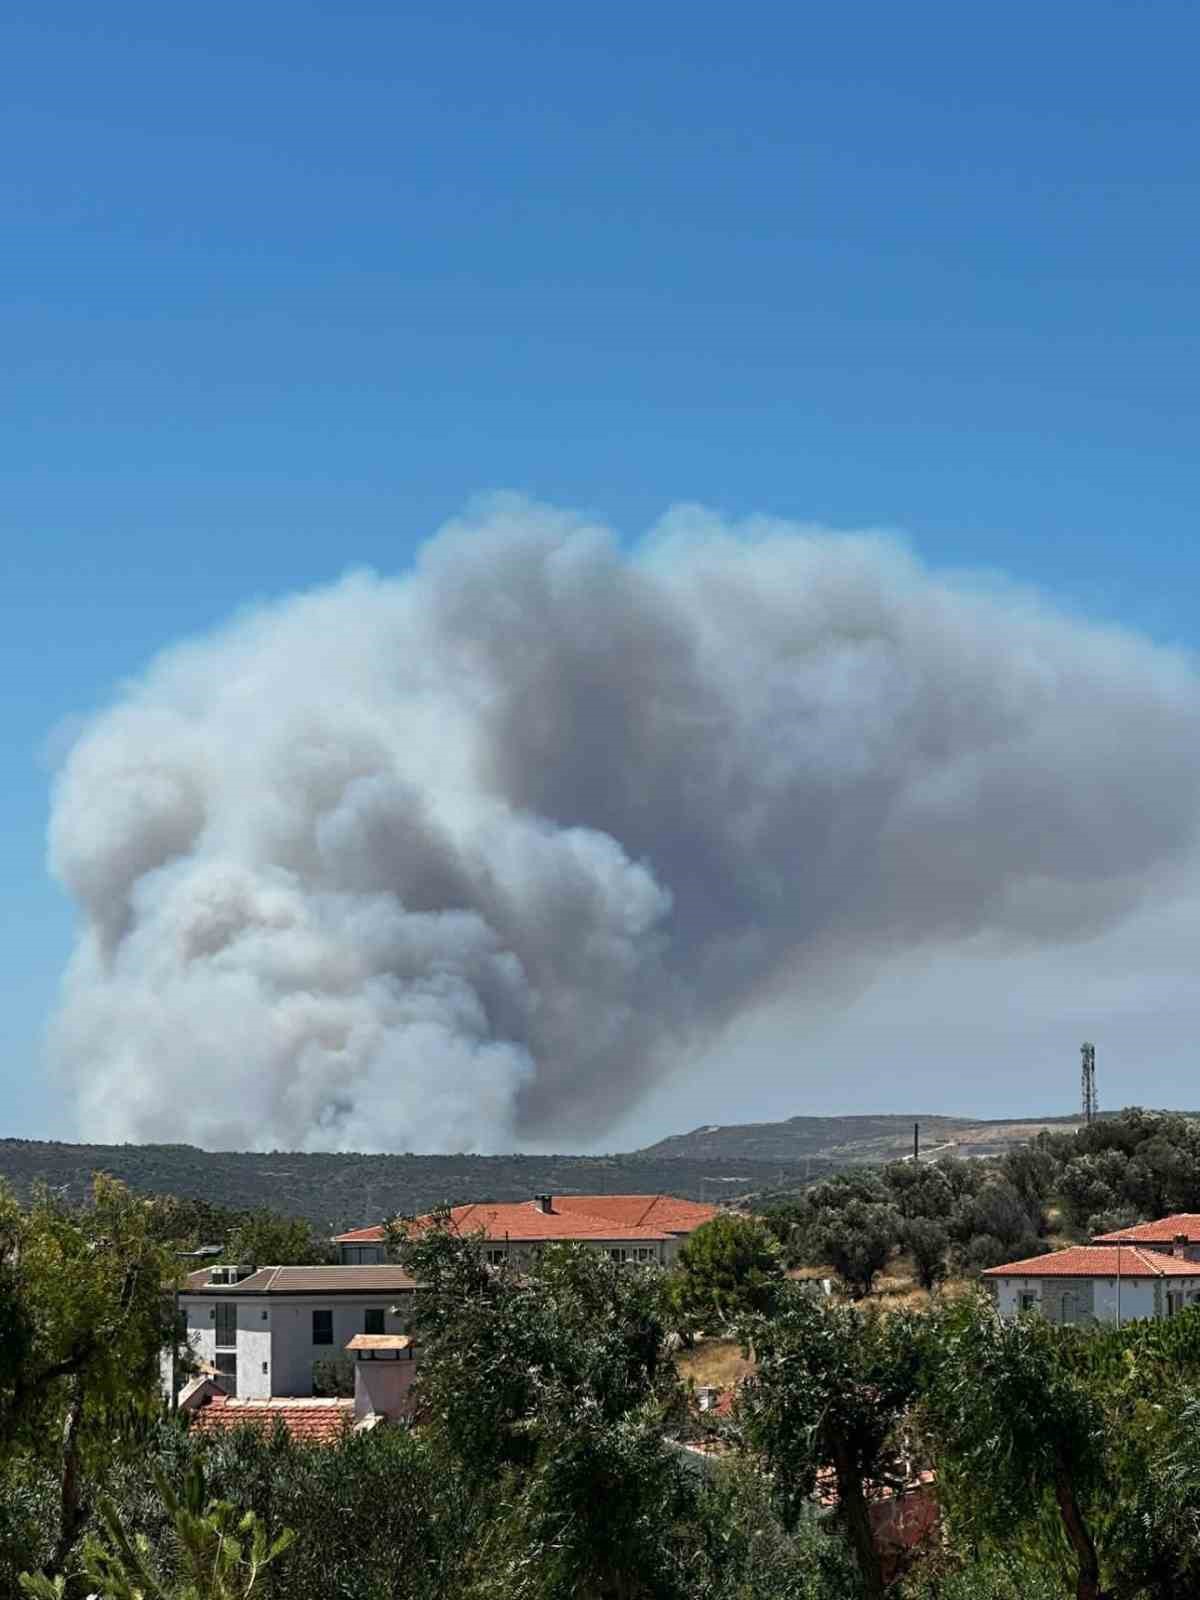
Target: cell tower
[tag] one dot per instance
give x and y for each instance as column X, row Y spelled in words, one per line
column 1087, row 1082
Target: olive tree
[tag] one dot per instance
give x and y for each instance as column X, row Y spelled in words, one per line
column 85, row 1312
column 833, row 1387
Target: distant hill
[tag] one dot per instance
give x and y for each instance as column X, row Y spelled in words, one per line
column 342, row 1191
column 851, row 1141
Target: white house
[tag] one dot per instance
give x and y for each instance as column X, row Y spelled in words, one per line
column 1097, row 1283
column 262, row 1330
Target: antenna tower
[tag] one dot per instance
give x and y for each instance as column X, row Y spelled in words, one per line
column 1087, row 1082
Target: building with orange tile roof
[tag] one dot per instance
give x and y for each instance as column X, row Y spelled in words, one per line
column 308, row 1421
column 1096, row 1283
column 629, row 1227
column 1178, row 1234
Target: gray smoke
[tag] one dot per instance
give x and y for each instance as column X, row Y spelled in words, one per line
column 472, row 857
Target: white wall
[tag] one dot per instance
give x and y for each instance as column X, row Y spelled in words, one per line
column 254, row 1376
column 381, row 1387
column 1137, row 1296
column 283, row 1338
column 1009, row 1291
column 293, row 1351
column 1137, row 1299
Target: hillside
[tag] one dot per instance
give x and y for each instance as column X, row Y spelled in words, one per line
column 342, row 1191
column 337, row 1191
column 851, row 1141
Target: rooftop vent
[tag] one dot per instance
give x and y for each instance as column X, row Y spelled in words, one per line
column 228, row 1277
column 544, row 1203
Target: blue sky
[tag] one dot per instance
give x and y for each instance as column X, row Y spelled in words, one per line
column 285, row 286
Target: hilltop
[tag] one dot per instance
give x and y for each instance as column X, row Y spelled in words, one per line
column 853, row 1141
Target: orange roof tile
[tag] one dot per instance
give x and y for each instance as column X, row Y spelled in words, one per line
column 1098, row 1261
column 620, row 1217
column 1164, row 1231
column 308, row 1421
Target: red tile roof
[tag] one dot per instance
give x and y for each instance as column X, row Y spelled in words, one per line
column 1098, row 1261
column 1164, row 1231
column 641, row 1210
column 638, row 1217
column 308, row 1421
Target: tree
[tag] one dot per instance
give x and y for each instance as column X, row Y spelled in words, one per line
column 928, row 1243
column 85, row 1311
column 225, row 1553
column 1019, row 1435
column 547, row 1391
column 728, row 1267
column 264, row 1238
column 832, row 1389
column 857, row 1242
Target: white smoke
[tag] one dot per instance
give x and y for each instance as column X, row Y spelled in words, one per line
column 473, row 856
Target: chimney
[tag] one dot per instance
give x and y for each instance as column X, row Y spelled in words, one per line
column 1179, row 1246
column 544, row 1203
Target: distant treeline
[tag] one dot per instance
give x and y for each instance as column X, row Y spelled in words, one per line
column 335, row 1191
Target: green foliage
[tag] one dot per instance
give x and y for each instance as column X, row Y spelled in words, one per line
column 333, row 1378
column 750, row 1555
column 928, row 1243
column 857, row 1242
column 833, row 1386
column 86, row 1314
column 224, row 1553
column 730, row 1266
column 264, row 1238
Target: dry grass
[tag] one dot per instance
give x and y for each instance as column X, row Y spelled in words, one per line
column 719, row 1362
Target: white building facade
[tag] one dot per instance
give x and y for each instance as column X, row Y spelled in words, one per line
column 1096, row 1283
column 263, row 1332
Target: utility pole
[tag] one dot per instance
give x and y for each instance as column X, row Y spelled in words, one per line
column 1087, row 1082
column 916, row 1142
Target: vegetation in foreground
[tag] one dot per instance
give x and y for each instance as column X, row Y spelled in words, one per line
column 548, row 1460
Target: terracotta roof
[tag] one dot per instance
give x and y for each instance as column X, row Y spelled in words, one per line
column 1098, row 1261
column 620, row 1217
column 380, row 1341
column 309, row 1421
column 371, row 1235
column 643, row 1210
column 387, row 1279
column 1164, row 1231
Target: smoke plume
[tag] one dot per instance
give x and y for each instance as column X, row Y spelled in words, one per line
column 472, row 857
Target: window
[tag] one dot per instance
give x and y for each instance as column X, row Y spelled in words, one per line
column 362, row 1255
column 495, row 1258
column 1026, row 1300
column 373, row 1319
column 226, row 1325
column 1174, row 1301
column 618, row 1255
column 226, row 1365
column 322, row 1327
column 645, row 1252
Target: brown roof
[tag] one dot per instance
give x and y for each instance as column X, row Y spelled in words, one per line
column 1098, row 1261
column 308, row 1421
column 637, row 1218
column 381, row 1341
column 386, row 1279
column 1165, row 1231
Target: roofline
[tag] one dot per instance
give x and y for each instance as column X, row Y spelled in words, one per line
column 1158, row 1267
column 306, row 1294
